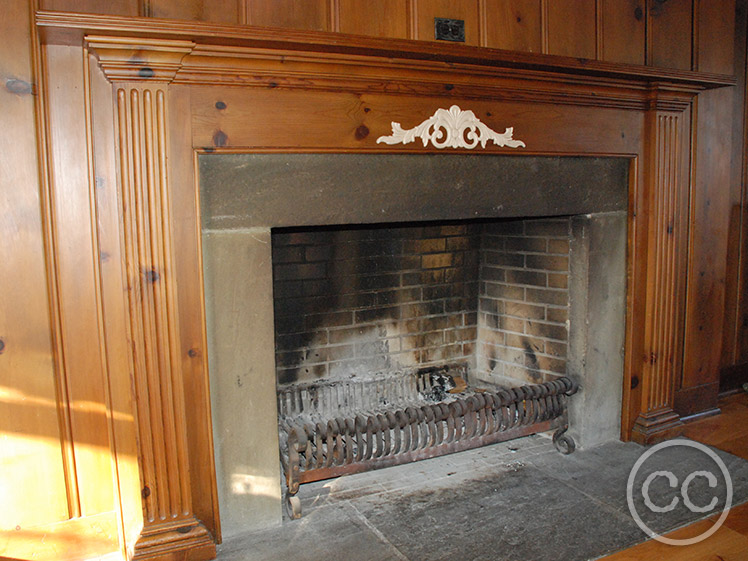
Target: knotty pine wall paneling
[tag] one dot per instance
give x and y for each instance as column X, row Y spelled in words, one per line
column 715, row 36
column 130, row 8
column 669, row 33
column 383, row 18
column 215, row 11
column 741, row 348
column 708, row 234
column 514, row 25
column 28, row 414
column 571, row 27
column 623, row 33
column 740, row 356
column 314, row 15
column 77, row 271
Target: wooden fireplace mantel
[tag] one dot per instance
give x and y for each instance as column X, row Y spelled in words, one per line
column 224, row 54
column 142, row 98
column 63, row 27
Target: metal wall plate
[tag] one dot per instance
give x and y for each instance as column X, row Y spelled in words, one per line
column 449, row 29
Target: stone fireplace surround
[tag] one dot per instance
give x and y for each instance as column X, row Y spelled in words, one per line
column 139, row 103
column 244, row 198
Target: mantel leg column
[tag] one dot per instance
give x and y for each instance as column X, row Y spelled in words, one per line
column 667, row 185
column 170, row 529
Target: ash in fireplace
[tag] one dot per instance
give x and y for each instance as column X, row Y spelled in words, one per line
column 440, row 383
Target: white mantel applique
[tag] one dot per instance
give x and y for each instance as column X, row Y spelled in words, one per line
column 462, row 129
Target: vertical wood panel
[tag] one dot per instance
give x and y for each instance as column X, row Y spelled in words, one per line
column 571, row 28
column 110, row 7
column 670, row 33
column 736, row 320
column 75, row 258
column 636, row 289
column 711, row 203
column 310, row 14
column 623, row 31
column 384, row 18
column 513, row 25
column 710, row 207
column 217, row 11
column 715, row 41
column 741, row 334
column 193, row 347
column 427, row 10
column 32, row 485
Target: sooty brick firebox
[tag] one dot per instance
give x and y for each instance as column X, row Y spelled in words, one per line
column 491, row 294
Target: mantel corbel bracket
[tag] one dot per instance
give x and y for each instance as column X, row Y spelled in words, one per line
column 140, row 60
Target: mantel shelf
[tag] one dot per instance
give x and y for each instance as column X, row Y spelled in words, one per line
column 70, row 28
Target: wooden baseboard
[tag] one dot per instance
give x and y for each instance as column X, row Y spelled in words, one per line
column 732, row 378
column 696, row 400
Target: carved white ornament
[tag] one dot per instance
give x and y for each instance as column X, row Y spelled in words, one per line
column 461, row 128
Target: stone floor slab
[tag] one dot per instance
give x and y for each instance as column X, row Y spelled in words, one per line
column 518, row 500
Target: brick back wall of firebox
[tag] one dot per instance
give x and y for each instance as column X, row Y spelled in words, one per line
column 365, row 301
column 370, row 300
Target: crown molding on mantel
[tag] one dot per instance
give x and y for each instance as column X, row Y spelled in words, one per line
column 172, row 55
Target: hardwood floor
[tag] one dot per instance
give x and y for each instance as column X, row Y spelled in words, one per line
column 727, row 431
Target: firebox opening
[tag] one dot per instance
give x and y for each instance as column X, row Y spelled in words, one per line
column 455, row 262
column 364, row 301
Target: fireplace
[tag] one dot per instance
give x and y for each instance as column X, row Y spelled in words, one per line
column 507, row 270
column 153, row 103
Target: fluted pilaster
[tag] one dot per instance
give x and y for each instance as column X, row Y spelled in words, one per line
column 666, row 182
column 169, row 525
